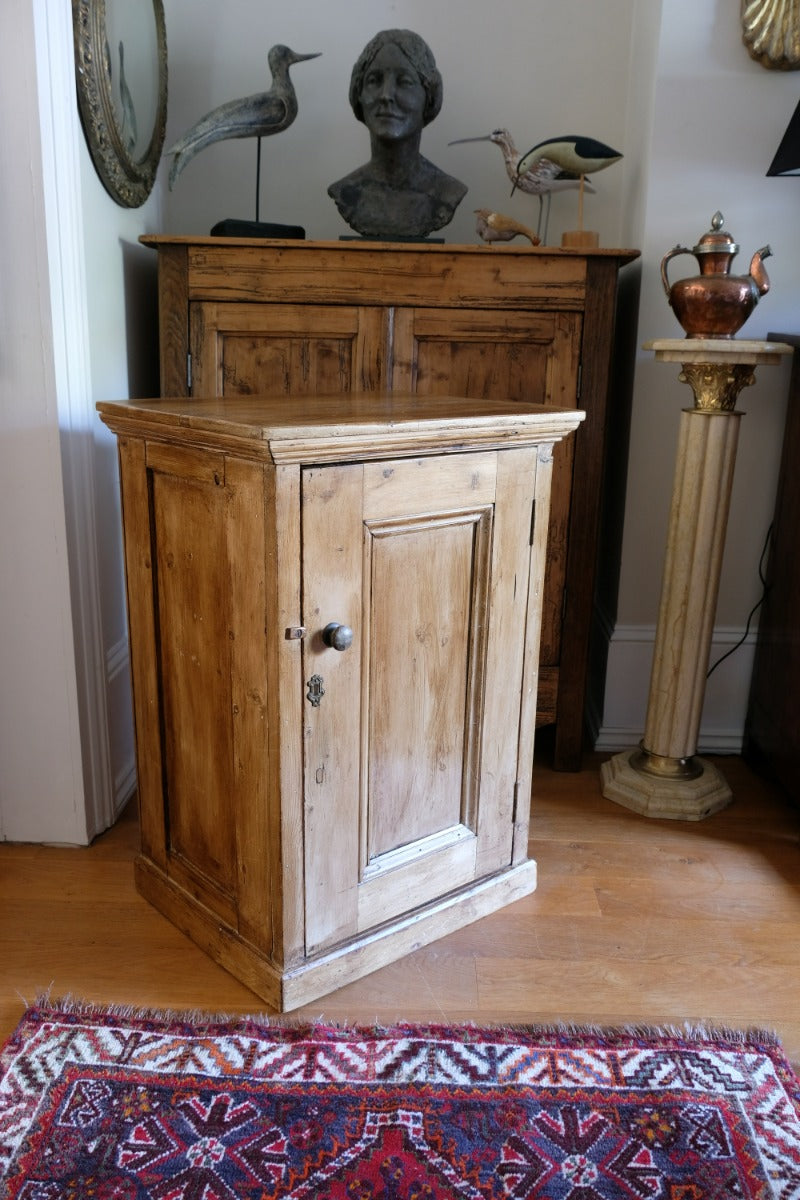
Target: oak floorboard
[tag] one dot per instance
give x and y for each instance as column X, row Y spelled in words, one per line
column 634, row 921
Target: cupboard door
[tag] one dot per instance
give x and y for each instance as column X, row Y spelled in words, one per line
column 411, row 734
column 306, row 349
column 523, row 356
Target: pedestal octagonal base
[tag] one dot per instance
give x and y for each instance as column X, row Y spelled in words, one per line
column 653, row 796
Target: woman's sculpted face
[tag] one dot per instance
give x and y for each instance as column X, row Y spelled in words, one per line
column 392, row 96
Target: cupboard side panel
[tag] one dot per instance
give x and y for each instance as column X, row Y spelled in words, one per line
column 508, row 606
column 173, row 318
column 286, row 738
column 206, row 350
column 530, row 665
column 144, row 666
column 194, row 631
column 254, row 706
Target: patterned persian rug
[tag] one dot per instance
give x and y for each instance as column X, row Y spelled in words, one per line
column 105, row 1106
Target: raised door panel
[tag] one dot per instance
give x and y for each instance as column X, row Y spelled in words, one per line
column 410, row 771
column 307, row 349
column 201, row 679
column 524, row 356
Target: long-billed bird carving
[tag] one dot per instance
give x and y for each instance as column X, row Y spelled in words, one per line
column 541, row 180
column 258, row 116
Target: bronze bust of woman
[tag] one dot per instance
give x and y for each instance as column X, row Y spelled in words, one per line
column 396, row 89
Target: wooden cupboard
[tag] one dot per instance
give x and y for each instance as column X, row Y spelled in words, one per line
column 335, row 610
column 238, row 317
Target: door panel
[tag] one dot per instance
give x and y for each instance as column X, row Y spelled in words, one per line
column 285, row 348
column 427, row 576
column 409, row 765
column 193, row 581
column 206, row 528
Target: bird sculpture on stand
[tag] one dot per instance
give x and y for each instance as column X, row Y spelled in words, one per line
column 495, row 227
column 579, row 156
column 259, row 115
column 546, row 178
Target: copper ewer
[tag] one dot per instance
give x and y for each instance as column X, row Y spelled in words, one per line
column 715, row 304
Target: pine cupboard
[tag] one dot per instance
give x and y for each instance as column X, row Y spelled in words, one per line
column 335, row 609
column 239, row 317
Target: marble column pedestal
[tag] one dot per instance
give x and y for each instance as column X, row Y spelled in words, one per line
column 664, row 776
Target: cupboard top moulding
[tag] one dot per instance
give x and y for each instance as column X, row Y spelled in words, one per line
column 367, row 426
column 536, row 325
column 381, row 273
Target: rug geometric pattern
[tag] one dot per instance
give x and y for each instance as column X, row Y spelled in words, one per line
column 102, row 1106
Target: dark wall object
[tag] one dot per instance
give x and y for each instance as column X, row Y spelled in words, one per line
column 787, row 156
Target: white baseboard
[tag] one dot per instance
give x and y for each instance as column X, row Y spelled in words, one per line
column 630, row 659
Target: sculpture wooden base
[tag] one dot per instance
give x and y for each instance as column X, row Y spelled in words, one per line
column 663, row 796
column 580, row 239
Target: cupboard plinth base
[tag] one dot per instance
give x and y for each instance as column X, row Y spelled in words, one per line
column 666, row 797
column 306, row 982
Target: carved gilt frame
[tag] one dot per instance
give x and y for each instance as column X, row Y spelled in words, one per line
column 126, row 167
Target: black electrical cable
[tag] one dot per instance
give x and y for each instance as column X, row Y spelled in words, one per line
column 753, row 610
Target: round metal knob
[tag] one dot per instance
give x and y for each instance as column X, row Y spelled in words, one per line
column 339, row 637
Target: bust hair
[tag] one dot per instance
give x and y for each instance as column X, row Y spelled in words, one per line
column 418, row 53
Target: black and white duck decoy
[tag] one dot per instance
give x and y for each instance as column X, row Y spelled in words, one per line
column 576, row 155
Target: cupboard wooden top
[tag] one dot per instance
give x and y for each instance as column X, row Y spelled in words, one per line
column 326, row 429
column 298, row 271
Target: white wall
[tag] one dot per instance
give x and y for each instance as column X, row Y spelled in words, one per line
column 719, row 118
column 41, row 773
column 77, row 316
column 121, row 314
column 538, row 68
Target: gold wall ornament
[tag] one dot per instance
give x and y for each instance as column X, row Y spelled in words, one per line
column 771, row 32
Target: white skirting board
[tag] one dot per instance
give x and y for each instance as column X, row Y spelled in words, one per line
column 630, row 657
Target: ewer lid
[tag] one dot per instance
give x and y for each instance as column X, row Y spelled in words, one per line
column 717, row 240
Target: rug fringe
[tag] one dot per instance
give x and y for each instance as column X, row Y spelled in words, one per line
column 686, row 1031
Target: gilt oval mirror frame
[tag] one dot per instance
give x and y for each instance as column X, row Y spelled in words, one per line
column 121, row 70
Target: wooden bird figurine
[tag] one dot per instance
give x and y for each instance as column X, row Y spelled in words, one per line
column 541, row 180
column 495, row 227
column 259, row 115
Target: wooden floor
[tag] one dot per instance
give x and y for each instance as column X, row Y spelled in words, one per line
column 634, row 920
